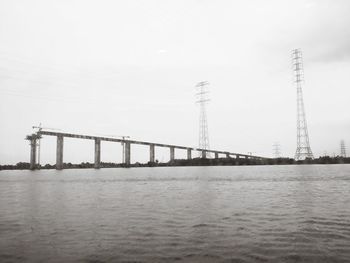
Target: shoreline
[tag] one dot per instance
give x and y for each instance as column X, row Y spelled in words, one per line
column 185, row 162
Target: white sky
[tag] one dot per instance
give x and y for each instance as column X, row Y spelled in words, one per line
column 130, row 67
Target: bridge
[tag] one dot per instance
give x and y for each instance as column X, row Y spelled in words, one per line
column 33, row 138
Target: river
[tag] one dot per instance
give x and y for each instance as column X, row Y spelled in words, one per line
column 186, row 214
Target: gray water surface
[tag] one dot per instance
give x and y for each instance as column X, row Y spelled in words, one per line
column 192, row 214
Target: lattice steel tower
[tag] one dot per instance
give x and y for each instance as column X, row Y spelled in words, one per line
column 277, row 150
column 202, row 100
column 342, row 149
column 303, row 145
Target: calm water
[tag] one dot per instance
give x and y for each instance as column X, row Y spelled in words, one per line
column 192, row 214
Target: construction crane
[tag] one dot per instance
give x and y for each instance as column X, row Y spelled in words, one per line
column 122, row 143
column 39, row 128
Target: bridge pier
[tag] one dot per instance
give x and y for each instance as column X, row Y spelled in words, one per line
column 59, row 152
column 189, row 153
column 204, row 153
column 33, row 154
column 127, row 153
column 237, row 159
column 151, row 153
column 97, row 153
column 172, row 154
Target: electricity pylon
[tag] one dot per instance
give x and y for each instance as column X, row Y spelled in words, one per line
column 342, row 149
column 303, row 150
column 202, row 94
column 277, row 150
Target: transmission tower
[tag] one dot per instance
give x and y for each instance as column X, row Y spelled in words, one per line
column 342, row 149
column 277, row 150
column 202, row 100
column 303, row 150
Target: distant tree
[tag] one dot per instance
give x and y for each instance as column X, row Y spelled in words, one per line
column 22, row 166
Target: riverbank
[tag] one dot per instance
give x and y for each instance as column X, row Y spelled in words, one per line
column 192, row 162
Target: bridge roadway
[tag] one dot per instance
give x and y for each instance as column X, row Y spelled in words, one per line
column 60, row 138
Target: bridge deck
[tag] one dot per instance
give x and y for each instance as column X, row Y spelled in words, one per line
column 110, row 139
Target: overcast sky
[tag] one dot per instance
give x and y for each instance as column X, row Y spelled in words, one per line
column 130, row 68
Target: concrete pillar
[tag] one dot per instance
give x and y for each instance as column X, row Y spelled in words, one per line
column 127, row 153
column 32, row 154
column 204, row 154
column 172, row 153
column 59, row 153
column 228, row 155
column 237, row 159
column 97, row 153
column 216, row 155
column 189, row 153
column 151, row 153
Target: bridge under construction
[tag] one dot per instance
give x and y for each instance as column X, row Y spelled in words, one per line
column 35, row 138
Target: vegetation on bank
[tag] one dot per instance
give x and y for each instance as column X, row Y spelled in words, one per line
column 192, row 162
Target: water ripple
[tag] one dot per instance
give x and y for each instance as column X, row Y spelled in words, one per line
column 191, row 214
